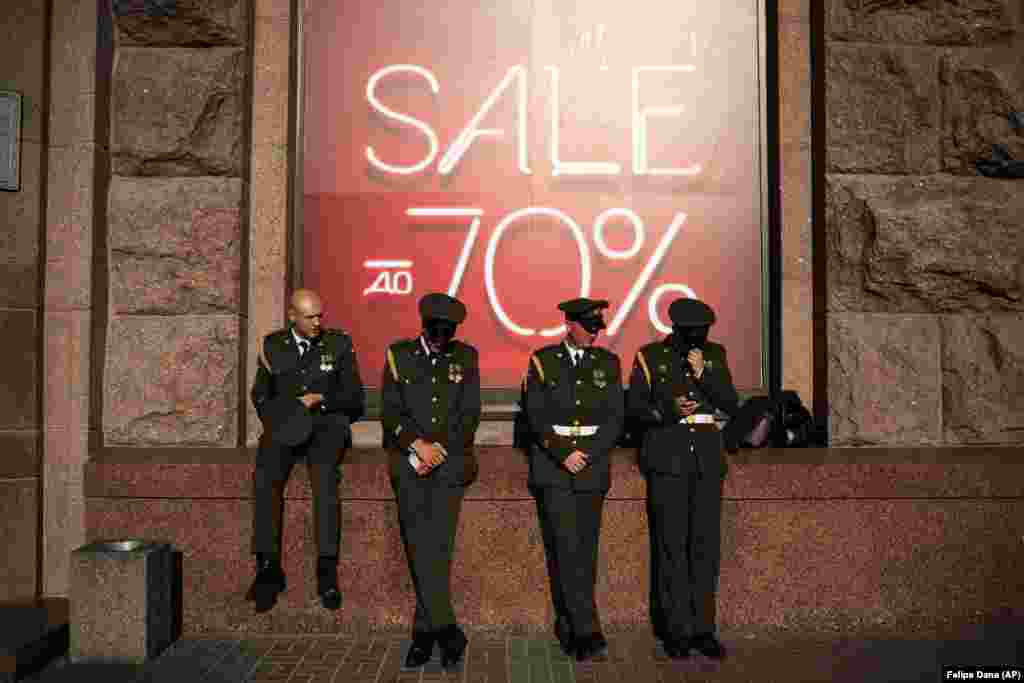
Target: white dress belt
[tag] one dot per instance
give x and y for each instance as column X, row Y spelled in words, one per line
column 698, row 418
column 583, row 430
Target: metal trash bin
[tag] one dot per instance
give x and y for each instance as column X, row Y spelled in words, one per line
column 121, row 601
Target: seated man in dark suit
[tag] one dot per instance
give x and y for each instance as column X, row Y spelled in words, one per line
column 307, row 393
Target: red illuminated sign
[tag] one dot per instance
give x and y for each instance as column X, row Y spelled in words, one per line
column 516, row 156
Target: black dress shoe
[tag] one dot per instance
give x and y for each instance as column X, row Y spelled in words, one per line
column 420, row 651
column 590, row 647
column 250, row 594
column 453, row 643
column 564, row 634
column 708, row 645
column 677, row 648
column 330, row 598
column 327, row 589
column 269, row 582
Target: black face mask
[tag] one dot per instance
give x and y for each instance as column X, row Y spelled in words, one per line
column 592, row 324
column 439, row 332
column 686, row 338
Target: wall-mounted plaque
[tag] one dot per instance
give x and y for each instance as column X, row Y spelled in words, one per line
column 10, row 139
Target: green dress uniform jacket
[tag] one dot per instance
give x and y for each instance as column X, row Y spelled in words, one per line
column 329, row 368
column 557, row 393
column 434, row 402
column 658, row 376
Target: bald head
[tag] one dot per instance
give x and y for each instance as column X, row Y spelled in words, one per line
column 302, row 299
column 306, row 312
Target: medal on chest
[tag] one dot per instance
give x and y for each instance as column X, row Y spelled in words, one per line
column 600, row 378
column 326, row 362
column 455, row 373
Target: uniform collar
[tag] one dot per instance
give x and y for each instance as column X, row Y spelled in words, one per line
column 430, row 354
column 573, row 350
column 296, row 338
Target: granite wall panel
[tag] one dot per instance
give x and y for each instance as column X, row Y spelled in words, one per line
column 935, row 244
column 882, row 109
column 19, row 531
column 196, row 23
column 178, row 111
column 175, row 245
column 19, row 390
column 983, row 378
column 917, row 93
column 172, row 380
column 884, row 379
column 827, row 567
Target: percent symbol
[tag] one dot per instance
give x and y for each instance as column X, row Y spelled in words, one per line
column 645, row 275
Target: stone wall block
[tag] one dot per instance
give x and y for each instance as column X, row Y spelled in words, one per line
column 924, row 245
column 171, row 380
column 933, row 22
column 19, row 241
column 21, row 52
column 980, row 91
column 195, row 23
column 882, row 110
column 983, row 378
column 178, row 112
column 883, row 379
column 175, row 245
column 19, row 525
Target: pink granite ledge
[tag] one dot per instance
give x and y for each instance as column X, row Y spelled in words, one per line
column 193, row 473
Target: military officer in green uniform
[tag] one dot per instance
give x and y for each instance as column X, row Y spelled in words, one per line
column 307, row 393
column 574, row 404
column 431, row 411
column 675, row 387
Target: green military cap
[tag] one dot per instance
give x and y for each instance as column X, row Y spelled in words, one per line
column 442, row 307
column 687, row 312
column 288, row 421
column 582, row 307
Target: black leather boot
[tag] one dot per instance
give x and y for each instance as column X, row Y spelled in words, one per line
column 563, row 631
column 453, row 643
column 593, row 646
column 421, row 649
column 269, row 582
column 676, row 648
column 327, row 582
column 708, row 645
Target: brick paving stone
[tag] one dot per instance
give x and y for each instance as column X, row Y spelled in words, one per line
column 632, row 658
column 490, row 662
column 363, row 662
column 390, row 671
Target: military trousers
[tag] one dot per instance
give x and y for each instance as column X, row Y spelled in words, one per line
column 570, row 523
column 684, row 515
column 428, row 518
column 274, row 464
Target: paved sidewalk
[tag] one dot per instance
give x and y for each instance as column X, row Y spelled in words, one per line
column 633, row 658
